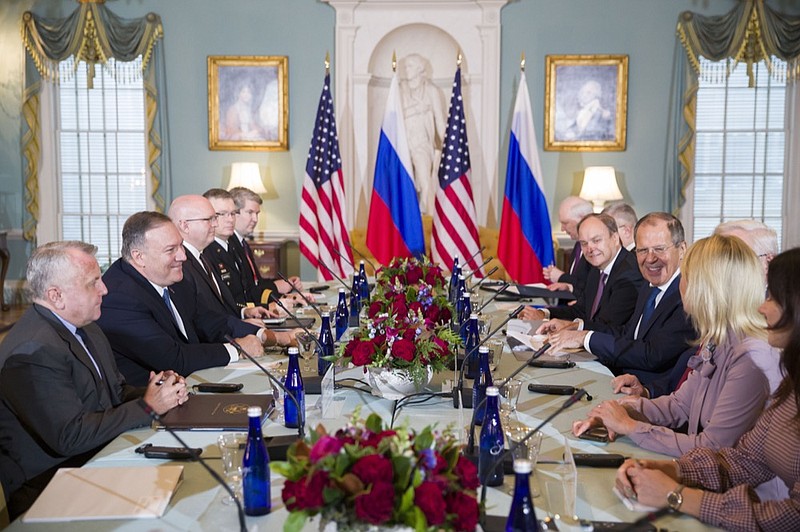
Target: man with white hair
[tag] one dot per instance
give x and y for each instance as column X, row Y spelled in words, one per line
column 758, row 236
column 571, row 211
column 61, row 394
column 626, row 220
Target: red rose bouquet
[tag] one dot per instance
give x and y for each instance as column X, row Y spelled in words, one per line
column 407, row 325
column 367, row 474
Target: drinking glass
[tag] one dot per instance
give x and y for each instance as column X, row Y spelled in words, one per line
column 510, row 395
column 307, row 351
column 529, row 450
column 231, row 447
column 495, row 352
column 277, row 393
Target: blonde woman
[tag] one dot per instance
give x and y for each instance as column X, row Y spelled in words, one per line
column 725, row 391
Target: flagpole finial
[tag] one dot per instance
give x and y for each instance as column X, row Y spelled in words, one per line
column 327, row 62
column 522, row 62
column 458, row 59
column 394, row 61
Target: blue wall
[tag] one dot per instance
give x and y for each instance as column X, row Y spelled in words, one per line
column 303, row 30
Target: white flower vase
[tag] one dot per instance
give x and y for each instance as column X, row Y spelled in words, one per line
column 395, row 384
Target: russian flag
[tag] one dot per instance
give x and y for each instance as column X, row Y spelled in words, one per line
column 394, row 228
column 525, row 242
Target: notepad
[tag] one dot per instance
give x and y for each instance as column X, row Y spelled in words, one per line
column 91, row 493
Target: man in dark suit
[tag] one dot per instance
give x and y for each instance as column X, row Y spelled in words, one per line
column 570, row 212
column 150, row 324
column 61, row 395
column 611, row 286
column 199, row 275
column 659, row 332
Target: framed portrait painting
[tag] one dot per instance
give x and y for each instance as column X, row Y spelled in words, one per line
column 248, row 103
column 586, row 102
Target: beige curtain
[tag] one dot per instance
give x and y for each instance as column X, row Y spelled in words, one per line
column 126, row 48
column 750, row 33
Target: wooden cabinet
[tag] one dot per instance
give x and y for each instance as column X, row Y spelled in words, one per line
column 269, row 257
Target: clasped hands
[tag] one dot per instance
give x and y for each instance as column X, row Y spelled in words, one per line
column 165, row 390
column 648, row 481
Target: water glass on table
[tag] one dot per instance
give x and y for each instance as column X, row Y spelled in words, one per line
column 231, row 448
column 527, row 450
column 509, row 393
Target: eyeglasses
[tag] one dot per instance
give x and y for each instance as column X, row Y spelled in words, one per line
column 209, row 219
column 231, row 214
column 658, row 251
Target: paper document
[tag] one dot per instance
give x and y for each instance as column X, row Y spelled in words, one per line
column 90, row 493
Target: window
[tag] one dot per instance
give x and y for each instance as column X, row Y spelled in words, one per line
column 101, row 163
column 739, row 153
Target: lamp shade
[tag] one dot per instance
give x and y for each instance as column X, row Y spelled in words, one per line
column 247, row 175
column 600, row 185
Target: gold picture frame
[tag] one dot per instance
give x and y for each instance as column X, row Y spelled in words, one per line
column 248, row 102
column 586, row 102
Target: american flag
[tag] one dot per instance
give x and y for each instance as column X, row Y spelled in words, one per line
column 455, row 231
column 322, row 225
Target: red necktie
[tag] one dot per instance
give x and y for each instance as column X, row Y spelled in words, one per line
column 247, row 253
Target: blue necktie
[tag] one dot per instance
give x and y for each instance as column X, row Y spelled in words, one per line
column 650, row 306
column 168, row 303
column 88, row 346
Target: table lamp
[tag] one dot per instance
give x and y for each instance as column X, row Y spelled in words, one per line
column 599, row 186
column 248, row 175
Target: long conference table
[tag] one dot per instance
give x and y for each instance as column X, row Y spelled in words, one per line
column 197, row 502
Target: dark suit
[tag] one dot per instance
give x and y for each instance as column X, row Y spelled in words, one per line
column 577, row 278
column 143, row 333
column 660, row 342
column 254, row 284
column 217, row 314
column 617, row 301
column 55, row 409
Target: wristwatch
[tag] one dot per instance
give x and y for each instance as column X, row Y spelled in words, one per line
column 675, row 498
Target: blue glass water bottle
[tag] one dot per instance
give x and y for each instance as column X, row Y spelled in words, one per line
column 453, row 287
column 341, row 315
column 482, row 382
column 294, row 383
column 363, row 289
column 491, row 442
column 355, row 300
column 255, row 468
column 463, row 316
column 521, row 517
column 325, row 347
column 471, row 347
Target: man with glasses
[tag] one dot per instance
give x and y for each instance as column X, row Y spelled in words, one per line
column 659, row 332
column 611, row 285
column 152, row 321
column 196, row 220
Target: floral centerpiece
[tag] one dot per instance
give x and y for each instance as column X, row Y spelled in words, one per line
column 367, row 476
column 407, row 326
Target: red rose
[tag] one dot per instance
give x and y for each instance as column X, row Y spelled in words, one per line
column 350, row 348
column 379, row 341
column 397, row 277
column 467, row 473
column 375, row 438
column 409, row 334
column 373, row 468
column 402, row 348
column 415, row 307
column 432, row 277
column 325, row 445
column 413, row 275
column 374, row 309
column 376, row 506
column 465, row 509
column 428, row 497
column 362, row 354
column 399, row 308
column 441, row 465
column 305, row 493
column 442, row 348
column 444, row 316
column 432, row 313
